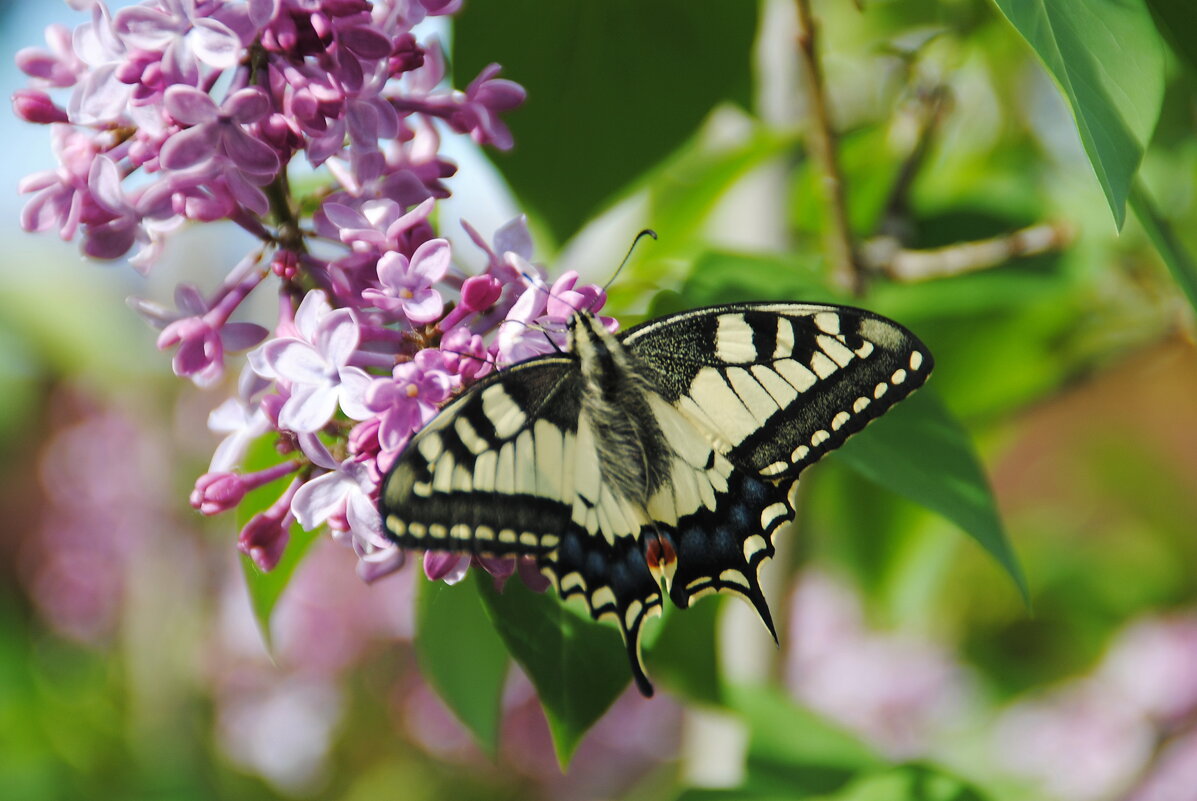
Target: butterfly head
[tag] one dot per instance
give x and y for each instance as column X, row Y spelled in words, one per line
column 597, row 348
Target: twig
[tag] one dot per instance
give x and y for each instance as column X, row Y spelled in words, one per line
column 840, row 248
column 886, row 255
column 930, row 106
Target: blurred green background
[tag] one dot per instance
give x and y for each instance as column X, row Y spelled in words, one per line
column 909, row 666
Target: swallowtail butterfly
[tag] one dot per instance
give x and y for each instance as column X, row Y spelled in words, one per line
column 659, row 456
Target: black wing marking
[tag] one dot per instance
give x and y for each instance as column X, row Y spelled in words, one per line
column 778, row 385
column 471, row 480
column 722, row 549
column 718, row 519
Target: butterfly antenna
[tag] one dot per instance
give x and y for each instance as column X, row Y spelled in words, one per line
column 535, row 327
column 619, row 269
column 484, row 359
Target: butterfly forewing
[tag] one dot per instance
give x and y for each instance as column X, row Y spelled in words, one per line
column 778, row 385
column 484, row 476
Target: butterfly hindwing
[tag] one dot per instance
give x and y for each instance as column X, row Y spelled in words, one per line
column 779, row 385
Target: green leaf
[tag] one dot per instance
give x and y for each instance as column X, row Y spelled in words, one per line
column 1167, row 244
column 461, row 655
column 684, row 656
column 684, row 192
column 265, row 588
column 1106, row 57
column 909, row 783
column 793, row 751
column 1177, row 22
column 579, row 667
column 919, row 450
column 722, row 277
column 613, row 87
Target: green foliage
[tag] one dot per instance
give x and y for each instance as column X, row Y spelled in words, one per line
column 461, row 655
column 578, row 666
column 1106, row 56
column 922, row 452
column 613, row 88
column 267, row 587
column 1177, row 21
column 621, row 101
column 1180, row 263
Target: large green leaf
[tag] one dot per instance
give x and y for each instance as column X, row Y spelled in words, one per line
column 1177, row 21
column 916, row 782
column 920, row 451
column 1107, row 58
column 461, row 655
column 792, row 750
column 578, row 667
column 685, row 655
column 721, row 277
column 794, row 754
column 1180, row 263
column 613, row 87
column 266, row 587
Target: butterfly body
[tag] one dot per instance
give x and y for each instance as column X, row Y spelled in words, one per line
column 662, row 455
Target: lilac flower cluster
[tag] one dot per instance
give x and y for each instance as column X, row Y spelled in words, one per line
column 177, row 111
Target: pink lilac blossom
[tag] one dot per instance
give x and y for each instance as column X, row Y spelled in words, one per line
column 1127, row 724
column 170, row 112
column 96, row 520
column 276, row 711
column 900, row 692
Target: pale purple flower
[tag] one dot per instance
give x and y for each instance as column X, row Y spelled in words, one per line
column 240, row 419
column 485, row 98
column 189, row 111
column 511, row 237
column 218, row 492
column 1173, row 774
column 202, row 333
column 1081, row 742
column 1153, row 664
column 56, row 67
column 265, row 536
column 62, row 199
column 316, row 366
column 479, row 293
column 144, row 218
column 466, row 354
column 342, row 498
column 377, row 556
column 377, row 226
column 451, row 568
column 898, row 691
column 100, row 95
column 535, row 325
column 283, row 730
column 410, row 398
column 216, row 132
column 181, row 37
column 445, row 566
column 34, row 105
column 408, row 287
